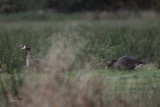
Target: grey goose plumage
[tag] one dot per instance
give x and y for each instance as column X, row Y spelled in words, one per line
column 30, row 61
column 124, row 63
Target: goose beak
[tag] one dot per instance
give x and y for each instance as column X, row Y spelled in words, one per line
column 106, row 67
column 23, row 48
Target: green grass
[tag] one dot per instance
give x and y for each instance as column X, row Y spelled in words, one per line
column 83, row 42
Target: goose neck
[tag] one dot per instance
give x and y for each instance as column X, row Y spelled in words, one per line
column 29, row 53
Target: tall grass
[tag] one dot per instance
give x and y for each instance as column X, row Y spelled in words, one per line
column 139, row 39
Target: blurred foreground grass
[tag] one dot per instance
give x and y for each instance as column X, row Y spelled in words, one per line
column 96, row 88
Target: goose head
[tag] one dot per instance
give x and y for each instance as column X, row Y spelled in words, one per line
column 110, row 63
column 26, row 47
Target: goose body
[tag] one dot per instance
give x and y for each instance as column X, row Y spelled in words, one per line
column 31, row 62
column 124, row 63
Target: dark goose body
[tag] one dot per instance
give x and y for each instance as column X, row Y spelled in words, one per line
column 124, row 63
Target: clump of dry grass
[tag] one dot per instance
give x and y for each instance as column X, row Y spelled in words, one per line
column 59, row 90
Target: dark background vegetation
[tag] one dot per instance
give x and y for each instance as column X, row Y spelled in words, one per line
column 8, row 6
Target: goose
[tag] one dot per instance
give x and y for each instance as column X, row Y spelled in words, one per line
column 31, row 62
column 124, row 63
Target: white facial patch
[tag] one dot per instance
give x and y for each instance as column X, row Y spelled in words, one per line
column 24, row 47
